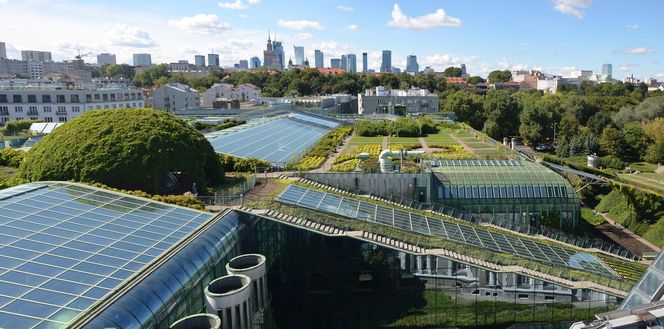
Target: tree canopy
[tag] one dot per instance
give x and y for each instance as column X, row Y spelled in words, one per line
column 133, row 149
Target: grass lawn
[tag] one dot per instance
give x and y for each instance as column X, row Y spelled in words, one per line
column 462, row 134
column 361, row 140
column 479, row 145
column 651, row 180
column 592, row 219
column 643, row 167
column 442, row 137
column 404, row 140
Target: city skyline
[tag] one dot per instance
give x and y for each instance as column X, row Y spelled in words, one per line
column 542, row 35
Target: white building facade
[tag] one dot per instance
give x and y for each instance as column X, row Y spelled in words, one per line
column 380, row 100
column 55, row 103
column 175, row 96
column 244, row 92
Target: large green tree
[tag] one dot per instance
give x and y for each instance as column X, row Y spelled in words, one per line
column 452, row 72
column 502, row 113
column 500, row 76
column 611, row 142
column 467, row 107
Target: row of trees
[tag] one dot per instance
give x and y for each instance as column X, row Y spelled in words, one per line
column 403, row 127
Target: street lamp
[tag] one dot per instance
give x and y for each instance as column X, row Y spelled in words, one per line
column 554, row 133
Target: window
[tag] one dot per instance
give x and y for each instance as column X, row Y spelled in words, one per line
column 496, row 192
column 61, row 110
column 104, row 97
column 461, row 192
column 544, row 192
column 17, row 98
column 46, row 98
column 112, row 97
column 4, row 120
column 510, row 192
column 4, row 110
column 476, row 194
column 563, row 192
column 530, row 191
column 97, row 97
column 19, row 118
column 447, row 193
column 469, row 192
column 3, row 98
column 440, row 192
column 88, row 98
column 537, row 191
column 60, row 98
column 48, row 119
column 32, row 98
column 503, row 192
column 76, row 109
column 453, row 192
column 482, row 192
column 524, row 193
column 556, row 191
column 74, row 98
column 18, row 109
column 47, row 109
column 62, row 119
column 32, row 110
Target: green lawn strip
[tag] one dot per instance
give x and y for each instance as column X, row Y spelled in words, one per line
column 590, row 217
column 404, row 140
column 440, row 137
column 643, row 167
column 361, row 140
column 571, row 274
column 644, row 180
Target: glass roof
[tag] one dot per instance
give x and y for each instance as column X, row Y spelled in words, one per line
column 450, row 230
column 64, row 246
column 651, row 286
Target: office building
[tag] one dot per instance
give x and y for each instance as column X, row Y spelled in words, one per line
column 607, row 70
column 3, row 50
column 213, row 60
column 351, row 63
column 143, row 60
column 365, row 63
column 397, row 101
column 319, row 59
column 463, row 71
column 335, row 63
column 411, row 64
column 35, row 55
column 60, row 103
column 254, row 62
column 344, row 62
column 386, row 64
column 181, row 66
column 279, row 49
column 175, row 96
column 299, row 55
column 581, row 74
column 243, row 64
column 106, row 58
column 199, row 61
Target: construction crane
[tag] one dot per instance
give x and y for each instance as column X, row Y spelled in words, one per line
column 79, row 56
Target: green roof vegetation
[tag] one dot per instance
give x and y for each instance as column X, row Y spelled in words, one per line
column 131, row 149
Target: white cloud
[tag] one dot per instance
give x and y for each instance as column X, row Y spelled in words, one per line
column 243, row 16
column 352, row 28
column 201, row 23
column 637, row 51
column 300, row 25
column 428, row 21
column 3, row 2
column 345, row 8
column 660, row 75
column 254, row 2
column 444, row 60
column 238, row 4
column 572, row 7
column 305, row 36
column 632, row 26
column 628, row 66
column 124, row 35
column 332, row 49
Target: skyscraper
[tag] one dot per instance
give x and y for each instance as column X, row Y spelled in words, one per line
column 351, row 63
column 343, row 63
column 272, row 58
column 607, row 69
column 335, row 63
column 411, row 64
column 213, row 60
column 364, row 62
column 463, row 70
column 318, row 59
column 199, row 60
column 106, row 58
column 386, row 65
column 243, row 64
column 3, row 51
column 279, row 49
column 254, row 62
column 143, row 60
column 299, row 55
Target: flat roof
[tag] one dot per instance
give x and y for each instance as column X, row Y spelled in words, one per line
column 65, row 246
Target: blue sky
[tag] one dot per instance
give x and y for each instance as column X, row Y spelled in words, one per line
column 556, row 36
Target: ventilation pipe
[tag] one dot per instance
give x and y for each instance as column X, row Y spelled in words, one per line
column 386, row 165
column 230, row 297
column 198, row 321
column 255, row 267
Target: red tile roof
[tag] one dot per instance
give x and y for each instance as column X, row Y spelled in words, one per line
column 331, row 70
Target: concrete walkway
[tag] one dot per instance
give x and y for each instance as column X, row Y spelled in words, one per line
column 629, row 233
column 386, row 142
column 328, row 163
column 425, row 146
column 463, row 144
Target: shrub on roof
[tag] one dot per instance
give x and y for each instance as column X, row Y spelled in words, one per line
column 132, row 149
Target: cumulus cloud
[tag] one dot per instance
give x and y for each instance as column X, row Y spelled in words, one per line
column 352, row 28
column 637, row 51
column 300, row 24
column 425, row 22
column 238, row 4
column 572, row 7
column 332, row 48
column 127, row 36
column 3, row 2
column 632, row 26
column 444, row 60
column 345, row 8
column 628, row 66
column 305, row 36
column 254, row 2
column 201, row 23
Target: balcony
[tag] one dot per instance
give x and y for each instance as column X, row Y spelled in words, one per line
column 61, row 113
column 33, row 113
